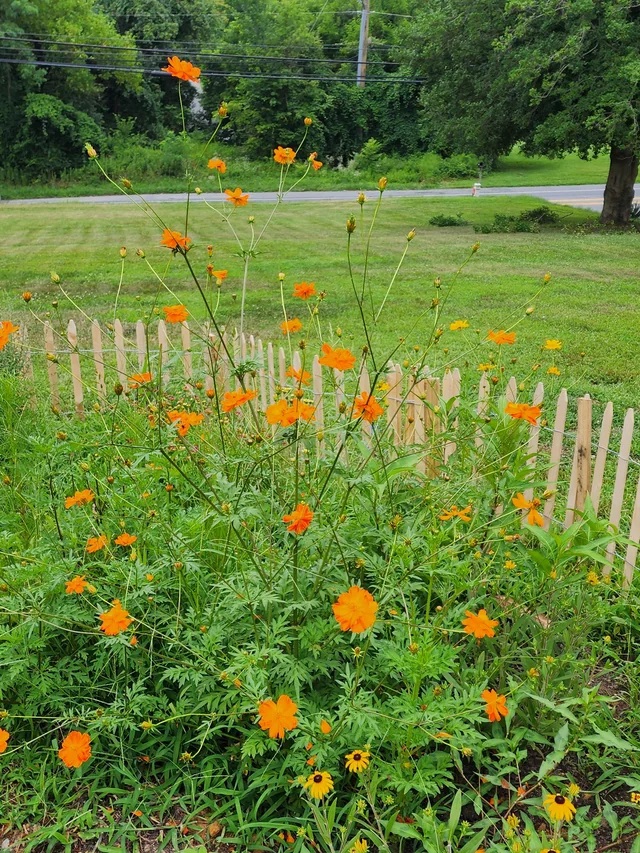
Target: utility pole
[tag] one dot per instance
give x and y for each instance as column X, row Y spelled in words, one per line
column 363, row 46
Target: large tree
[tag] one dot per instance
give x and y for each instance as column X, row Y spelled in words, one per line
column 554, row 75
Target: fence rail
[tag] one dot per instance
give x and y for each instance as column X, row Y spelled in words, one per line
column 418, row 410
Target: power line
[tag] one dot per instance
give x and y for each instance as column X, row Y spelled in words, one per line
column 245, row 75
column 114, row 49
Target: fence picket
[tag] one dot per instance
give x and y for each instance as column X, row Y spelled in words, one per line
column 76, row 376
column 262, row 379
column 601, row 456
column 98, row 358
column 451, row 391
column 512, row 390
column 580, row 481
column 271, row 373
column 532, row 445
column 121, row 355
column 554, row 459
column 141, row 345
column 187, row 360
column 432, row 424
column 622, row 469
column 319, row 403
column 394, row 402
column 631, row 556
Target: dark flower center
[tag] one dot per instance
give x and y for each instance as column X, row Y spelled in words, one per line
column 559, row 800
column 357, row 756
column 317, row 778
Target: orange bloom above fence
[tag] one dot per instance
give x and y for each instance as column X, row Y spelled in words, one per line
column 355, row 610
column 501, row 337
column 175, row 240
column 185, row 420
column 339, row 358
column 234, row 399
column 304, row 290
column 290, row 327
column 496, row 705
column 301, row 376
column 524, row 412
column 116, row 620
column 479, row 624
column 182, row 69
column 299, row 519
column 6, row 330
column 276, row 718
column 284, row 156
column 237, row 197
column 96, row 543
column 76, row 749
column 139, row 379
column 284, row 414
column 175, row 313
column 533, row 516
column 218, row 165
column 84, row 496
column 367, row 407
column 453, row 512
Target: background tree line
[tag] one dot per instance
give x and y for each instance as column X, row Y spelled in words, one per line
column 451, row 76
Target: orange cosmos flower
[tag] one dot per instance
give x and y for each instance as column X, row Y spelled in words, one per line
column 76, row 749
column 317, row 164
column 175, row 240
column 301, row 376
column 367, row 407
column 553, row 343
column 355, row 610
column 454, row 512
column 339, row 359
column 284, row 414
column 125, row 539
column 496, row 705
column 284, row 156
column 76, row 585
column 458, row 324
column 479, row 624
column 185, row 420
column 139, row 379
column 304, row 290
column 175, row 313
column 96, row 543
column 501, row 337
column 553, row 370
column 4, row 737
column 233, row 399
column 290, row 327
column 278, row 717
column 325, row 727
column 533, row 516
column 182, row 69
column 219, row 275
column 299, row 519
column 84, row 496
column 116, row 620
column 237, row 197
column 524, row 412
column 6, row 330
column 218, row 165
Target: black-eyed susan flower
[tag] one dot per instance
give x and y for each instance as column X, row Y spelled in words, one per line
column 559, row 807
column 357, row 761
column 319, row 784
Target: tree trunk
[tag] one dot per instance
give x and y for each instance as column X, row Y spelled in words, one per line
column 618, row 193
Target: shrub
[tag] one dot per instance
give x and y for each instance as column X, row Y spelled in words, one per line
column 458, row 166
column 443, row 220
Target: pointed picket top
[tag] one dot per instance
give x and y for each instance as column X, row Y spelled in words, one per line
column 601, row 456
column 142, row 345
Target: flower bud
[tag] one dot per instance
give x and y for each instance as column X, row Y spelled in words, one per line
column 126, row 183
column 223, row 110
column 351, row 224
column 437, row 282
column 118, row 389
column 546, row 277
column 308, row 122
column 251, row 220
column 280, row 276
column 123, row 252
column 361, row 199
column 382, row 184
column 197, row 190
column 55, row 278
column 27, row 296
column 210, row 250
column 140, row 253
column 91, row 151
column 475, row 247
column 55, row 303
column 411, row 235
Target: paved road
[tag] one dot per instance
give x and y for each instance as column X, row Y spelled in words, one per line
column 586, row 195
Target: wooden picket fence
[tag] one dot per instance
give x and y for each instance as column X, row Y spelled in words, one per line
column 575, row 465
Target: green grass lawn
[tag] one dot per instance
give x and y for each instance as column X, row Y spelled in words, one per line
column 416, row 171
column 591, row 303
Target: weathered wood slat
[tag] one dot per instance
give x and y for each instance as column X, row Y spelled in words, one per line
column 622, row 470
column 121, row 354
column 187, row 360
column 141, row 345
column 580, row 482
column 98, row 359
column 601, row 456
column 631, row 556
column 555, row 456
column 52, row 367
column 76, row 375
column 534, row 439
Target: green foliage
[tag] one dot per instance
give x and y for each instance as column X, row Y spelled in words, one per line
column 528, row 222
column 442, row 220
